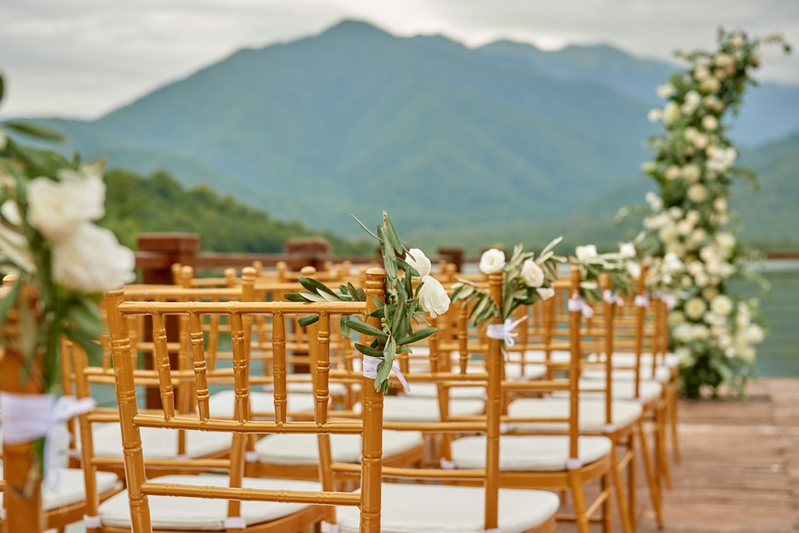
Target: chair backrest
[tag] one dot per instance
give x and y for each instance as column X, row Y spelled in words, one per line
column 238, row 314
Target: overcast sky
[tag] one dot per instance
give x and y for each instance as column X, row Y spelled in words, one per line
column 83, row 58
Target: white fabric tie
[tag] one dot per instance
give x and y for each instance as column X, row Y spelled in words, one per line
column 506, row 427
column 92, row 522
column 502, row 332
column 669, row 299
column 612, row 298
column 235, row 522
column 251, row 457
column 27, row 417
column 577, row 304
column 327, row 527
column 642, row 300
column 573, row 463
column 446, row 464
column 370, row 370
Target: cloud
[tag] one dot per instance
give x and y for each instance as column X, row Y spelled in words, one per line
column 84, row 58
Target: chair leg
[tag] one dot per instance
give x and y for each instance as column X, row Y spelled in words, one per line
column 579, row 501
column 674, row 396
column 607, row 507
column 618, row 486
column 663, row 455
column 651, row 475
column 632, row 488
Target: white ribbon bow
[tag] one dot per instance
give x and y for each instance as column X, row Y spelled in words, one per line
column 577, row 304
column 370, row 370
column 668, row 298
column 502, row 332
column 27, row 417
column 642, row 300
column 612, row 298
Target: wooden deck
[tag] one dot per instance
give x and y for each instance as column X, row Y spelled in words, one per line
column 740, row 466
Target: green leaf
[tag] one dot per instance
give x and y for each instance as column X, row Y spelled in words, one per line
column 312, row 297
column 389, row 257
column 10, row 299
column 294, row 297
column 366, row 329
column 407, row 268
column 345, row 326
column 382, row 310
column 551, row 245
column 34, row 130
column 364, row 227
column 394, row 237
column 93, row 350
column 384, row 368
column 86, row 321
column 315, row 286
column 368, row 350
column 307, row 320
column 417, row 336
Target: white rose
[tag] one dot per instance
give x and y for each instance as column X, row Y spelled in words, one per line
column 684, row 227
column 720, row 205
column 724, row 60
column 726, row 240
column 91, row 260
column 419, row 261
column 698, row 235
column 432, row 297
column 532, row 274
column 671, row 112
column 736, row 41
column 700, row 140
column 654, row 201
column 714, row 103
column 675, row 212
column 654, row 114
column 695, row 308
column 683, row 333
column 58, row 208
column 721, row 305
column 664, row 91
column 691, row 102
column 755, row 334
column 585, row 252
column 668, row 233
column 701, row 73
column 710, row 123
column 710, row 85
column 676, row 318
column 633, row 269
column 627, row 250
column 709, row 293
column 697, row 193
column 492, row 261
column 672, row 172
column 546, row 293
column 692, row 172
column 684, row 355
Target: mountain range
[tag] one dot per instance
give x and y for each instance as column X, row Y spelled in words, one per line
column 460, row 145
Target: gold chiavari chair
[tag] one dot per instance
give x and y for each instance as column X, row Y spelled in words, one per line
column 601, row 413
column 236, row 502
column 555, row 462
column 441, row 506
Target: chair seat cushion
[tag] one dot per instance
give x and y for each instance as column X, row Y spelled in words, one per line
column 194, row 514
column 223, row 403
column 628, row 359
column 592, row 413
column 68, row 487
column 303, row 449
column 336, row 389
column 411, row 409
column 623, row 389
column 430, row 390
column 160, row 443
column 528, row 453
column 435, row 508
column 662, row 374
column 539, row 356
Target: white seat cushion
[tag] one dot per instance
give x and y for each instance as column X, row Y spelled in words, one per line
column 303, row 449
column 528, row 453
column 430, row 390
column 436, row 508
column 623, row 389
column 531, row 371
column 197, row 514
column 592, row 413
column 662, row 374
column 68, row 487
column 160, row 443
column 335, row 388
column 627, row 359
column 539, row 356
column 222, row 404
column 412, row 409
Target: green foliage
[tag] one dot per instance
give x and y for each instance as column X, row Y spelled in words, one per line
column 159, row 203
column 398, row 313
